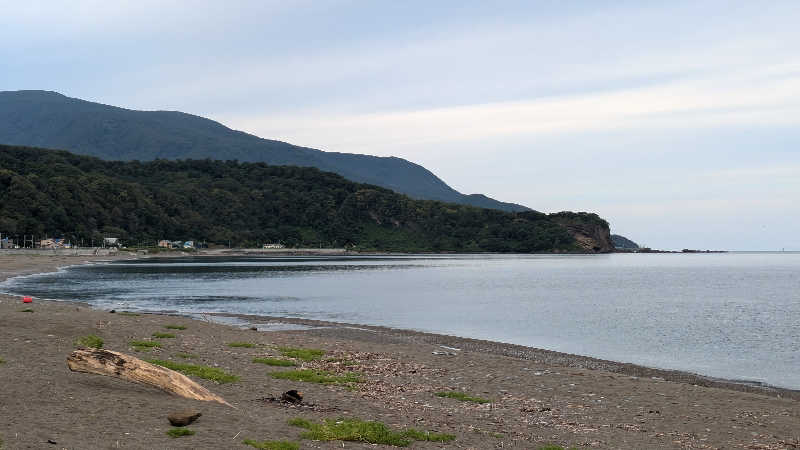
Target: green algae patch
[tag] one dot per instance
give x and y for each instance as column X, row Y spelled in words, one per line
column 179, row 432
column 163, row 335
column 144, row 346
column 275, row 362
column 205, row 372
column 357, row 430
column 90, row 341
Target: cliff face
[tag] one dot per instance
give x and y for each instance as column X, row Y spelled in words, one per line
column 590, row 231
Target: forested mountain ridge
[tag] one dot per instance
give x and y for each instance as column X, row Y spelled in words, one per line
column 59, row 194
column 51, row 120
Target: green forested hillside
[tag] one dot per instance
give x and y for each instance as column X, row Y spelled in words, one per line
column 51, row 120
column 623, row 242
column 56, row 193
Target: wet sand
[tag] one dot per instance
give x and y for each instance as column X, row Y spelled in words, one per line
column 536, row 397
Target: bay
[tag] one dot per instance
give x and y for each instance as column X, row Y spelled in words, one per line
column 730, row 315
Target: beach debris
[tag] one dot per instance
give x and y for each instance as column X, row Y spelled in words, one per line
column 305, row 406
column 50, row 441
column 114, row 364
column 436, row 352
column 27, row 300
column 292, row 396
column 183, row 418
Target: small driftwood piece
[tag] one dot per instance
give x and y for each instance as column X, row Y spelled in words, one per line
column 129, row 368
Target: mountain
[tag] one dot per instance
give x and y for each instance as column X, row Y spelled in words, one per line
column 623, row 242
column 51, row 120
column 49, row 193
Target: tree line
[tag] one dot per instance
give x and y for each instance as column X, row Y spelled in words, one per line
column 247, row 204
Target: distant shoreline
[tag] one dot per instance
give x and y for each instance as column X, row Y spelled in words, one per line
column 93, row 252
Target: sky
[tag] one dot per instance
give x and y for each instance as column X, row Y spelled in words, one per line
column 675, row 121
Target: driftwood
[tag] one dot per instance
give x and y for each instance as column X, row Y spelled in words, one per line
column 129, row 368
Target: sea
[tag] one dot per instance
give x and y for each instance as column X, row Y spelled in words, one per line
column 728, row 315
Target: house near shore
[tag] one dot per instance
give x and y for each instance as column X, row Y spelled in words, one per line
column 111, row 242
column 54, row 243
column 274, row 246
column 165, row 243
column 180, row 244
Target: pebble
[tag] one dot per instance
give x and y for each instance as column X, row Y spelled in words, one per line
column 183, row 418
column 292, row 396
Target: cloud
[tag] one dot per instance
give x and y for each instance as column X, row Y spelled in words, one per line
column 719, row 100
column 636, row 110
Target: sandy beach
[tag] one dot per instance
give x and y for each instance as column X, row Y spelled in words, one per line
column 535, row 397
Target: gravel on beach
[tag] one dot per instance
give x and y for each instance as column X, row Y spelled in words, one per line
column 534, row 397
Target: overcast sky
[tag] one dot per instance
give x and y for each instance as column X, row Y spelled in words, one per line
column 675, row 121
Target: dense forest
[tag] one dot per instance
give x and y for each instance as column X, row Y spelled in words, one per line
column 59, row 194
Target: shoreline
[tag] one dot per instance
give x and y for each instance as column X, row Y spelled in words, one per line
column 524, row 352
column 452, row 341
column 537, row 397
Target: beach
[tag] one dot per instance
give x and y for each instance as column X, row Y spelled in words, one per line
column 534, row 397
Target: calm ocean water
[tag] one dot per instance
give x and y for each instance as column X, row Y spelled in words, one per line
column 734, row 315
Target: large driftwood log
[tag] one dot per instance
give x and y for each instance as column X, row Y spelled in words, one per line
column 126, row 367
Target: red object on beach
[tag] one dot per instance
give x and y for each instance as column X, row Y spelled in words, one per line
column 27, row 300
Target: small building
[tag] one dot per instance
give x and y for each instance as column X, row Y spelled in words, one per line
column 188, row 244
column 111, row 242
column 54, row 243
column 274, row 246
column 7, row 242
column 164, row 243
